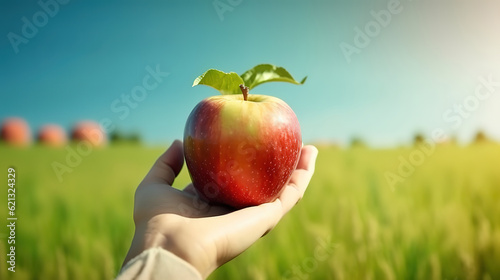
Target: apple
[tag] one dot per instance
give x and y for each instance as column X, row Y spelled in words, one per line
column 89, row 131
column 52, row 135
column 241, row 152
column 16, row 132
column 241, row 149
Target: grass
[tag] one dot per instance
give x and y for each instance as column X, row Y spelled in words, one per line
column 442, row 222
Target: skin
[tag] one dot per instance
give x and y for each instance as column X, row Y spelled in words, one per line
column 204, row 235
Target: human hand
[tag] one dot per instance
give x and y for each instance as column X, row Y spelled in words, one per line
column 206, row 236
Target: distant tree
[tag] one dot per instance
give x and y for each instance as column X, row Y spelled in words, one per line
column 481, row 138
column 418, row 139
column 357, row 142
column 116, row 137
column 87, row 130
column 134, row 138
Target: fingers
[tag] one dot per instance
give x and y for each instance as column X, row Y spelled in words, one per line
column 167, row 166
column 300, row 179
column 236, row 231
column 243, row 227
column 190, row 190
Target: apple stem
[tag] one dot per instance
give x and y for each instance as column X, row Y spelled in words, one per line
column 244, row 90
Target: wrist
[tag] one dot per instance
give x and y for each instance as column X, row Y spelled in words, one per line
column 136, row 247
column 167, row 232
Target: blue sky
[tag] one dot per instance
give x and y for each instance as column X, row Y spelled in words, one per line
column 424, row 61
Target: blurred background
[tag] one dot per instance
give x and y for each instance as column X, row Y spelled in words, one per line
column 402, row 99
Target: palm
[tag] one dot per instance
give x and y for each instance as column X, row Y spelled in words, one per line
column 206, row 235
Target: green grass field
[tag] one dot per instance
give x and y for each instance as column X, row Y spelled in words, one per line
column 442, row 222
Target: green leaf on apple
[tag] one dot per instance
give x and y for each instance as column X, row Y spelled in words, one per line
column 226, row 83
column 264, row 73
column 229, row 83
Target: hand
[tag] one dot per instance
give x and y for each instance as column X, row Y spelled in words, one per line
column 204, row 235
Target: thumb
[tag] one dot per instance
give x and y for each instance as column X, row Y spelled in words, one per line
column 167, row 166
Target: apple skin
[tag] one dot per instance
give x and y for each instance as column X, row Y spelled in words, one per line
column 241, row 152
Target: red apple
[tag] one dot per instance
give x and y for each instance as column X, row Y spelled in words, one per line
column 89, row 131
column 16, row 132
column 52, row 135
column 241, row 151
